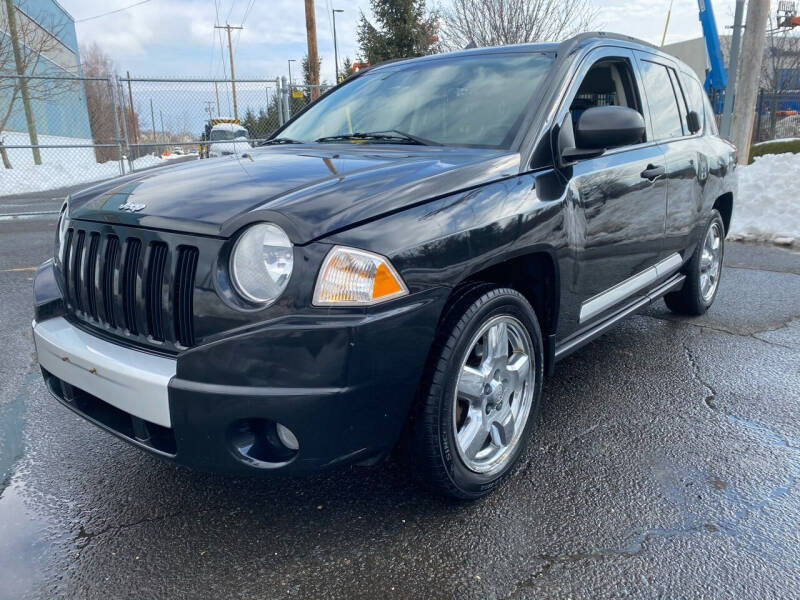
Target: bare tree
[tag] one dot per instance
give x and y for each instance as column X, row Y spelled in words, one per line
column 97, row 64
column 30, row 44
column 100, row 104
column 499, row 22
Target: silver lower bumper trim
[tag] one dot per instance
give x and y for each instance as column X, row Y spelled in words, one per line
column 132, row 381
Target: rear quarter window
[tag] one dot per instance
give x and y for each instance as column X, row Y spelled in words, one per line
column 694, row 97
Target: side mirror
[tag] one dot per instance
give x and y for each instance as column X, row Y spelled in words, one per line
column 598, row 129
column 693, row 121
column 609, row 127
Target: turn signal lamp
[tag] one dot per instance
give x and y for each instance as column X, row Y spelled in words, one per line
column 351, row 277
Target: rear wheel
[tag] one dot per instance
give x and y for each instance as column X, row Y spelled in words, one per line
column 481, row 394
column 703, row 272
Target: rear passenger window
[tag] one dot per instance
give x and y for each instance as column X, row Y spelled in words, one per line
column 664, row 111
column 694, row 96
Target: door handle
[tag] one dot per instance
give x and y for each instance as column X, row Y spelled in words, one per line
column 653, row 172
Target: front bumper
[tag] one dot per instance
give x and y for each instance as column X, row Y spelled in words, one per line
column 341, row 382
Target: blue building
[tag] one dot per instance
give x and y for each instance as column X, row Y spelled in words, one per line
column 60, row 111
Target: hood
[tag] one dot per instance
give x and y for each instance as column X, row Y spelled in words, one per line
column 311, row 191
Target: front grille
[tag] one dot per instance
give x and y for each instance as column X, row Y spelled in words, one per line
column 130, row 286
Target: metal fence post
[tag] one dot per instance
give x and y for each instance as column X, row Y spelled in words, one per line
column 117, row 137
column 286, row 92
column 279, row 101
column 124, row 115
column 756, row 137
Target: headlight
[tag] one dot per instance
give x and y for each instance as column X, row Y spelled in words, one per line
column 351, row 277
column 261, row 263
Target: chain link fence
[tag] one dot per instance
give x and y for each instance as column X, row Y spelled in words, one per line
column 777, row 116
column 58, row 132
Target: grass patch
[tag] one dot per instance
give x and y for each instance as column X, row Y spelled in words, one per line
column 774, row 148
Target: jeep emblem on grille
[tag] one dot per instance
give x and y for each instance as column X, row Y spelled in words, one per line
column 131, row 207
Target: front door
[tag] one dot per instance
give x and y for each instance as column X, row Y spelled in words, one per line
column 618, row 200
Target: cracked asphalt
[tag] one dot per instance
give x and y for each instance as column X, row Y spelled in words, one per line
column 665, row 464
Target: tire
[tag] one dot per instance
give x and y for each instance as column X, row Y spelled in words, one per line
column 696, row 297
column 470, row 337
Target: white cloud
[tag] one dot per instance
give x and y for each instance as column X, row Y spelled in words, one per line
column 176, row 37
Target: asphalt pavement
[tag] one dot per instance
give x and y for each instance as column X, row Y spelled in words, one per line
column 666, row 463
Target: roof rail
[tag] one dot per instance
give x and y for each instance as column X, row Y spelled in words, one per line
column 568, row 45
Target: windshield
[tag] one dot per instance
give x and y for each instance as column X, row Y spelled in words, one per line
column 227, row 134
column 475, row 100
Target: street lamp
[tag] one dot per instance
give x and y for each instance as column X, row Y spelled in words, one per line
column 335, row 47
column 291, row 60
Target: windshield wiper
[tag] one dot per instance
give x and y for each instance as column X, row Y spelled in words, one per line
column 390, row 135
column 279, row 140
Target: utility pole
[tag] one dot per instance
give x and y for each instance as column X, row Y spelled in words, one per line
column 335, row 46
column 313, row 56
column 733, row 68
column 11, row 11
column 216, row 91
column 746, row 91
column 233, row 75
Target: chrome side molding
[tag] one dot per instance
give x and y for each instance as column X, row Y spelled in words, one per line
column 605, row 300
column 594, row 331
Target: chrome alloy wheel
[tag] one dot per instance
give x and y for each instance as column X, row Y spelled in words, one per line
column 711, row 261
column 493, row 395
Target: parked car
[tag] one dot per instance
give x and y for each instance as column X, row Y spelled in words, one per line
column 228, row 138
column 405, row 260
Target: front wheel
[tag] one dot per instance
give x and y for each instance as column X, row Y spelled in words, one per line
column 481, row 394
column 703, row 272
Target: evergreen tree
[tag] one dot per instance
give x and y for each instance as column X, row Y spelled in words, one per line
column 404, row 28
column 306, row 73
column 249, row 122
column 347, row 67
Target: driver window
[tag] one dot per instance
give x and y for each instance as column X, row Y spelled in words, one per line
column 607, row 83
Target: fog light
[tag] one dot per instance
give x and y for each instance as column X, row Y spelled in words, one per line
column 287, row 438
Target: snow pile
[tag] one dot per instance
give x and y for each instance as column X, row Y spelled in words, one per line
column 767, row 207
column 23, row 157
column 56, row 174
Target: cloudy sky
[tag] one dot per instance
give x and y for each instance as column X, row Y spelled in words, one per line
column 176, row 37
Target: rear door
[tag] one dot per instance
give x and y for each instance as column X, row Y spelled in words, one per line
column 686, row 162
column 618, row 200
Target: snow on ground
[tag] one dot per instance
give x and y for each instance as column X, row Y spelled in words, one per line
column 22, row 157
column 777, row 141
column 56, row 174
column 767, row 207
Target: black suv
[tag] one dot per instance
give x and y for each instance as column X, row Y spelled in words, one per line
column 405, row 259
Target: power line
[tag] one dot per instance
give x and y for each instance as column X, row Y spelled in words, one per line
column 244, row 18
column 230, row 10
column 247, row 11
column 111, row 12
column 214, row 40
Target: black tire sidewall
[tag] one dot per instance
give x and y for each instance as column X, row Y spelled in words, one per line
column 502, row 302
